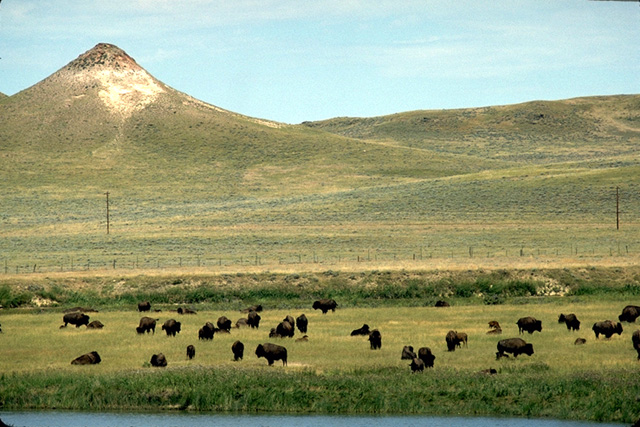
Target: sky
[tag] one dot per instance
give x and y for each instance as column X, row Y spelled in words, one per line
column 299, row 60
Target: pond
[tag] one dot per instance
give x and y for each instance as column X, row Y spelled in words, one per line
column 86, row 419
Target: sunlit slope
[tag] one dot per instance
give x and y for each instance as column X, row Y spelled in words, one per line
column 532, row 132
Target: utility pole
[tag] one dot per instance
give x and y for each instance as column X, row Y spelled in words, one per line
column 617, row 209
column 107, row 194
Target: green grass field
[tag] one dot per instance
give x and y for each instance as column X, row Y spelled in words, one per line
column 332, row 372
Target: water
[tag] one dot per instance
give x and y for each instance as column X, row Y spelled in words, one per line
column 88, row 419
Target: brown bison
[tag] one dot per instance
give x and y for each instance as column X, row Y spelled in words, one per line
column 408, row 353
column 92, row 358
column 572, row 322
column 253, row 319
column 237, row 348
column 494, row 324
column 96, row 324
column 454, row 339
column 364, row 330
column 256, row 308
column 242, row 323
column 186, row 311
column 514, row 346
column 75, row 318
column 635, row 340
column 171, row 327
column 417, row 365
column 301, row 323
column 375, row 340
column 207, row 331
column 580, row 341
column 146, row 324
column 529, row 324
column 424, row 354
column 441, row 303
column 607, row 328
column 629, row 314
column 272, row 352
column 325, row 305
column 191, row 351
column 285, row 329
column 224, row 324
column 144, row 306
column 158, row 360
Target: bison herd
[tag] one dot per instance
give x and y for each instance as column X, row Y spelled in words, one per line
column 286, row 329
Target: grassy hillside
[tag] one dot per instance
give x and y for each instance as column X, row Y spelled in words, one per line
column 190, row 181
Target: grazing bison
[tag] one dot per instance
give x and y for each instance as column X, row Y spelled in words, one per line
column 75, row 318
column 144, row 306
column 424, row 354
column 207, row 331
column 375, row 339
column 572, row 322
column 146, row 324
column 238, row 350
column 364, row 330
column 408, row 353
column 224, row 324
column 529, row 324
column 325, row 305
column 580, row 341
column 514, row 346
column 191, row 351
column 302, row 322
column 158, row 360
column 96, row 324
column 285, row 329
column 272, row 352
column 171, row 327
column 635, row 340
column 607, row 328
column 92, row 358
column 256, row 308
column 417, row 365
column 253, row 319
column 441, row 303
column 454, row 339
column 629, row 314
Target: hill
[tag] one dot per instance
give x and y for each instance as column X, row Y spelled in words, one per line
column 193, row 183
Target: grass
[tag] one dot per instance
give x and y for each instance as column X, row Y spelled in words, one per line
column 333, row 372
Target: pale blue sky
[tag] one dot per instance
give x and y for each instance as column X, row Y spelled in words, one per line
column 296, row 60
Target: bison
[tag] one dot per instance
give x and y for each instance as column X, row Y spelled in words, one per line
column 607, row 328
column 514, row 346
column 144, row 306
column 242, row 323
column 191, row 351
column 375, row 340
column 441, row 303
column 302, row 323
column 96, row 324
column 75, row 318
column 580, row 341
column 224, row 324
column 146, row 324
column 529, row 324
column 158, row 360
column 253, row 319
column 424, row 354
column 285, row 329
column 237, row 348
column 454, row 339
column 272, row 352
column 572, row 322
column 185, row 311
column 92, row 358
column 256, row 308
column 635, row 340
column 408, row 353
column 325, row 305
column 417, row 365
column 629, row 314
column 171, row 327
column 207, row 331
column 364, row 330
